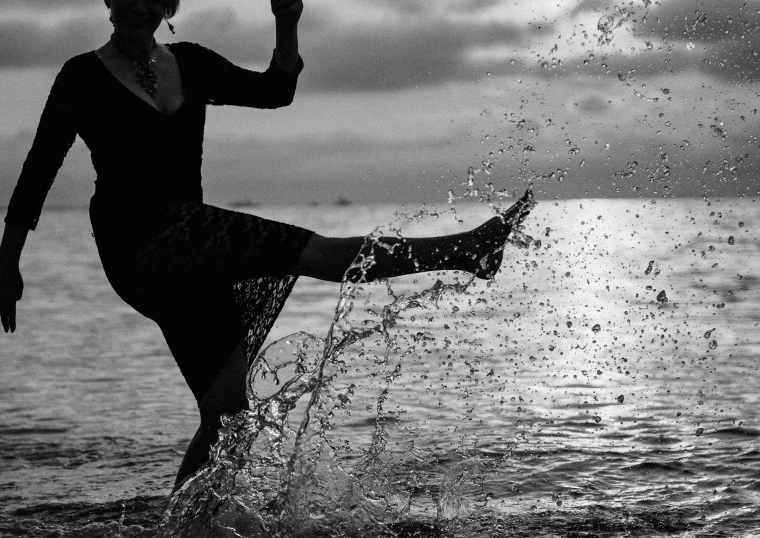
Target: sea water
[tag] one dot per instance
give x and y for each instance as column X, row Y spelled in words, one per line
column 604, row 384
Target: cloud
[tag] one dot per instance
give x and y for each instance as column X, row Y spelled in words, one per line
column 404, row 55
column 420, row 7
column 28, row 44
column 48, row 5
column 593, row 104
column 702, row 20
column 722, row 37
column 589, row 6
column 409, row 53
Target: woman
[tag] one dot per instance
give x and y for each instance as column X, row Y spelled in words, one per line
column 213, row 280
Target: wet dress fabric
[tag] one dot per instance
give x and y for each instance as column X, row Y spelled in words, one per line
column 209, row 277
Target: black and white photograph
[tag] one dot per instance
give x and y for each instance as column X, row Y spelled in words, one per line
column 389, row 268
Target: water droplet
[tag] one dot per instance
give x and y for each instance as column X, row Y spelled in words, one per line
column 741, row 225
column 662, row 297
column 713, row 344
column 690, row 46
column 620, row 398
column 596, row 328
column 649, row 268
column 730, row 239
column 569, row 324
column 700, row 431
column 597, row 419
column 574, row 151
column 605, row 23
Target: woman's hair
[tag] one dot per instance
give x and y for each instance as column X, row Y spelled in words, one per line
column 170, row 8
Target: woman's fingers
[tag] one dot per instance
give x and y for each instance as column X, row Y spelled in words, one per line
column 287, row 9
column 11, row 289
column 8, row 314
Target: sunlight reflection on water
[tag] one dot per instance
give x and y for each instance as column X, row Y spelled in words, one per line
column 509, row 383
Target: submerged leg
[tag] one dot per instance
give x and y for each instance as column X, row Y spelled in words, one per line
column 225, row 396
column 478, row 251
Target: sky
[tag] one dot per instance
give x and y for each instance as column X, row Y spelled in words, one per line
column 405, row 101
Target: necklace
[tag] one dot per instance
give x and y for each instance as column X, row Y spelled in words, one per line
column 146, row 75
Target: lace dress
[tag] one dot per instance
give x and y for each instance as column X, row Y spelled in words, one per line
column 208, row 276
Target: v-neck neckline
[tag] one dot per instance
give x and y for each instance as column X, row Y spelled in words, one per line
column 133, row 94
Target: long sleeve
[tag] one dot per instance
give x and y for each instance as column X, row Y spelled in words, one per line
column 222, row 83
column 55, row 135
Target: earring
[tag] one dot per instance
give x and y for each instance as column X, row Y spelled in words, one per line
column 171, row 26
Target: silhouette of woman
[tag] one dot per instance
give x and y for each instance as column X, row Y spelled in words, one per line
column 213, row 280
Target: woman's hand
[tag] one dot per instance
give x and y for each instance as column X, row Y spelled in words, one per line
column 11, row 288
column 287, row 12
column 11, row 284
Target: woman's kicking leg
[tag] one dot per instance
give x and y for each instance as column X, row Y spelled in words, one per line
column 227, row 395
column 478, row 251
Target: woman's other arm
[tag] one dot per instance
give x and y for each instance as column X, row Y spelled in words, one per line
column 11, row 284
column 55, row 135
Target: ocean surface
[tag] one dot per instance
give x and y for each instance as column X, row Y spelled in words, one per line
column 605, row 384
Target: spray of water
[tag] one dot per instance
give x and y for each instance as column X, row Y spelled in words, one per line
column 268, row 477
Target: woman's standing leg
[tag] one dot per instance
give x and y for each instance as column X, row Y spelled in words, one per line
column 227, row 395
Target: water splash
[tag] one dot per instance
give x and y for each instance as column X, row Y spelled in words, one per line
column 268, row 476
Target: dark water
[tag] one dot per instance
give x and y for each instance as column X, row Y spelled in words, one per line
column 567, row 398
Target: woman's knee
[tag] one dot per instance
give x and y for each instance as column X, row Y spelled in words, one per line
column 227, row 394
column 328, row 258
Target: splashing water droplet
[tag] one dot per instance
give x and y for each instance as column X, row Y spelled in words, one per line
column 605, row 23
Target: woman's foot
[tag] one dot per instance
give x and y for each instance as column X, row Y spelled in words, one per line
column 490, row 237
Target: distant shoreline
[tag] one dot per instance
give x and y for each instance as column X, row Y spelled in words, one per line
column 342, row 202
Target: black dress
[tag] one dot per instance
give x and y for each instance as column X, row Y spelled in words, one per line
column 208, row 276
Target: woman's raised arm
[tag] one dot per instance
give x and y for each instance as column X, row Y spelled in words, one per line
column 220, row 82
column 287, row 13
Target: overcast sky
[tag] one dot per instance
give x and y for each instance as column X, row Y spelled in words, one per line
column 401, row 98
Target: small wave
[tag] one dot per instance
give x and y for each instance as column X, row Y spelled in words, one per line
column 127, row 518
column 33, row 430
column 659, row 440
column 735, row 432
column 646, row 467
